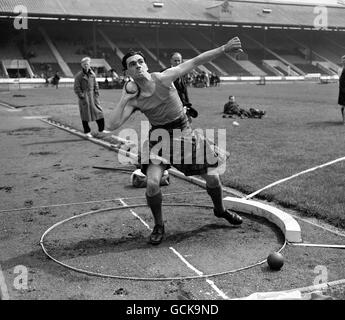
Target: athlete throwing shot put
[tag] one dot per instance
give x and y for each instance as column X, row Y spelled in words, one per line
column 155, row 95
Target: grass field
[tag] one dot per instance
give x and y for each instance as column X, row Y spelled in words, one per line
column 302, row 129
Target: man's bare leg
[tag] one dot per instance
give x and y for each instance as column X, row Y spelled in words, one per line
column 215, row 191
column 154, row 200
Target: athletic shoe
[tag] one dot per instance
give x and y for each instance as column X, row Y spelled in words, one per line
column 99, row 135
column 157, row 234
column 89, row 135
column 105, row 131
column 230, row 216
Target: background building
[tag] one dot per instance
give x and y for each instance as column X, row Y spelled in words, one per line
column 279, row 38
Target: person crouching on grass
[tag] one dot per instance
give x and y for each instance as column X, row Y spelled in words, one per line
column 158, row 99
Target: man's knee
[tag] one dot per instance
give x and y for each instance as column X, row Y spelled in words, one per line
column 152, row 186
column 212, row 181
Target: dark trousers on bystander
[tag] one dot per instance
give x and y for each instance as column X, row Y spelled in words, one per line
column 100, row 124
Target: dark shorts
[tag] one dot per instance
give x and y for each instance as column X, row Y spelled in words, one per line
column 190, row 152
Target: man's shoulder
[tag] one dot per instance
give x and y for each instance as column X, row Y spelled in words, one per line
column 156, row 75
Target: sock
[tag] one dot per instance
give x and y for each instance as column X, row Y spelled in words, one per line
column 100, row 123
column 216, row 195
column 155, row 204
column 86, row 126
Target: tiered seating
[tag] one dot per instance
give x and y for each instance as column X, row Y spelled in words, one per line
column 170, row 41
column 9, row 50
column 75, row 41
column 320, row 46
column 70, row 51
column 40, row 69
column 254, row 54
column 112, row 59
column 231, row 67
column 257, row 55
column 199, row 41
column 40, row 57
column 126, row 39
column 309, row 68
column 75, row 67
column 152, row 64
column 295, row 58
column 281, row 70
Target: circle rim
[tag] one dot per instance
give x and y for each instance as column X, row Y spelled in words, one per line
column 104, row 275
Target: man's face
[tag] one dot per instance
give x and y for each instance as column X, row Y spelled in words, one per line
column 232, row 99
column 86, row 65
column 175, row 60
column 136, row 66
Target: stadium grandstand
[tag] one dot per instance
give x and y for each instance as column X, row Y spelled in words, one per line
column 279, row 38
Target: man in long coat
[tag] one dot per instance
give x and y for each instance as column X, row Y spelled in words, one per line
column 87, row 90
column 341, row 98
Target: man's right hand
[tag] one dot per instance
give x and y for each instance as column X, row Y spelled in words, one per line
column 128, row 96
column 233, row 45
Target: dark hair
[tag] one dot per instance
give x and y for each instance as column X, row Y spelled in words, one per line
column 176, row 52
column 131, row 53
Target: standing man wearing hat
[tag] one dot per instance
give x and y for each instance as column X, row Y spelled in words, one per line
column 341, row 98
column 87, row 90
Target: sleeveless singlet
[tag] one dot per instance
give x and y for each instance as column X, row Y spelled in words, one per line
column 163, row 106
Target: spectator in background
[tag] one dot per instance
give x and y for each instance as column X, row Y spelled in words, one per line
column 181, row 82
column 181, row 87
column 233, row 108
column 216, row 80
column 203, row 79
column 212, row 79
column 56, row 79
column 46, row 77
column 341, row 97
column 106, row 82
column 87, row 90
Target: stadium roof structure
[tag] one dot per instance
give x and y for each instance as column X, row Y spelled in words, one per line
column 185, row 12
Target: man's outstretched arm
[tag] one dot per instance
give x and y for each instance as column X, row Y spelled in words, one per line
column 171, row 74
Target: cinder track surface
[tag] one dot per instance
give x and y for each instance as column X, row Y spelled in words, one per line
column 44, row 166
